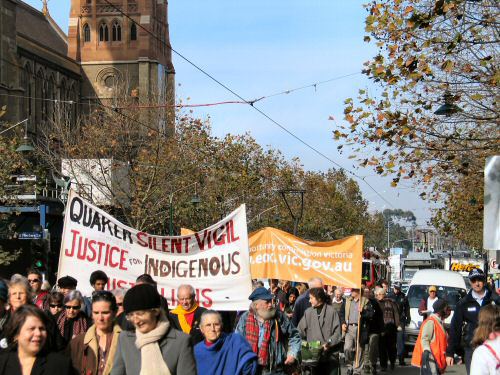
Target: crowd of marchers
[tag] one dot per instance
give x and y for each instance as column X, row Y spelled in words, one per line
column 289, row 328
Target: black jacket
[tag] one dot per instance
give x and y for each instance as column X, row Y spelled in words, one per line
column 464, row 320
column 52, row 363
column 301, row 305
column 196, row 335
column 403, row 307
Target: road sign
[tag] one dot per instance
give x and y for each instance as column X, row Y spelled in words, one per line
column 30, row 235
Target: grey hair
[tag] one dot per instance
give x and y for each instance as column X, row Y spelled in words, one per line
column 210, row 312
column 119, row 292
column 315, row 280
column 380, row 290
column 187, row 286
column 18, row 279
column 74, row 295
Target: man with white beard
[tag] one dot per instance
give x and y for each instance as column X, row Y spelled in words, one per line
column 271, row 335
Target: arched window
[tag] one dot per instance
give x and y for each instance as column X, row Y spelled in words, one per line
column 86, row 33
column 117, row 31
column 103, row 33
column 133, row 32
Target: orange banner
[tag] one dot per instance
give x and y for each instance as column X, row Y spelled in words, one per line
column 276, row 254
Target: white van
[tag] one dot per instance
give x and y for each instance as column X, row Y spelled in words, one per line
column 450, row 286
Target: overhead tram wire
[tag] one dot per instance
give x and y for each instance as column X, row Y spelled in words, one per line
column 243, row 99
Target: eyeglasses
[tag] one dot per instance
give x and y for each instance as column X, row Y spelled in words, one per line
column 33, row 280
column 54, row 305
column 119, row 304
column 67, row 307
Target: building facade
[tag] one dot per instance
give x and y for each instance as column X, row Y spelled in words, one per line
column 111, row 53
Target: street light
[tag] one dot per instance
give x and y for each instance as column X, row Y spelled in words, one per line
column 194, row 200
column 25, row 144
column 448, row 108
column 296, row 219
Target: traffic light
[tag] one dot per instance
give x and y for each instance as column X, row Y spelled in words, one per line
column 39, row 253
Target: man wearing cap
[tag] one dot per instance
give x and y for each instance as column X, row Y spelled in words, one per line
column 465, row 316
column 66, row 284
column 271, row 335
column 404, row 317
column 425, row 307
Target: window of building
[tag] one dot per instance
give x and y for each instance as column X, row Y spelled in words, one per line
column 103, row 33
column 86, row 33
column 117, row 31
column 133, row 32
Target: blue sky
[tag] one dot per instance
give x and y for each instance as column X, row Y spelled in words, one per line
column 262, row 47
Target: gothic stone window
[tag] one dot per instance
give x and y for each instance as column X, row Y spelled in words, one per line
column 117, row 31
column 86, row 33
column 103, row 33
column 133, row 32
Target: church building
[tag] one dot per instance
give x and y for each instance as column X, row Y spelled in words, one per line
column 113, row 50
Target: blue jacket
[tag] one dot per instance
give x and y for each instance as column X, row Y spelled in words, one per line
column 289, row 343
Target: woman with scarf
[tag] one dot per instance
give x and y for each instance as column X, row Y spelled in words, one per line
column 154, row 348
column 322, row 323
column 72, row 321
column 222, row 353
column 93, row 352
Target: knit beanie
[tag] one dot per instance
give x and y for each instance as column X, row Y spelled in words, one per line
column 141, row 297
column 440, row 305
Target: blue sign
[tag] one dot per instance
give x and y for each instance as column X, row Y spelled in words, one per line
column 30, row 235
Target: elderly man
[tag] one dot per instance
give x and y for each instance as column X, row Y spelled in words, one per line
column 186, row 316
column 222, row 353
column 388, row 338
column 302, row 303
column 271, row 335
column 367, row 314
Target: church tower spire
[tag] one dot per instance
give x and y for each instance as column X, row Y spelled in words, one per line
column 45, row 8
column 117, row 55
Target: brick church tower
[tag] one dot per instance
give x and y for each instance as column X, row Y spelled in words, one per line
column 117, row 56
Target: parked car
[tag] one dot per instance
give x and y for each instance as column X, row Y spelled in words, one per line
column 450, row 286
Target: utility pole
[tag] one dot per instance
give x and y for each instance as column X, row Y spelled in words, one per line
column 296, row 218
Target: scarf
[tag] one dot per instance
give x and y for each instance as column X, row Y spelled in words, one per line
column 80, row 324
column 181, row 315
column 252, row 336
column 152, row 361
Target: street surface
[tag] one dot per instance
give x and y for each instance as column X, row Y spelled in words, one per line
column 410, row 370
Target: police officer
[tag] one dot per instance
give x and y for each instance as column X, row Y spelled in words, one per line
column 465, row 317
column 404, row 317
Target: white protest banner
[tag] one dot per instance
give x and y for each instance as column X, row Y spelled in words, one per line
column 214, row 261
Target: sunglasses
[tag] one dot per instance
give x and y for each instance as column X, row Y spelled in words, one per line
column 72, row 307
column 119, row 304
column 54, row 306
column 34, row 280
